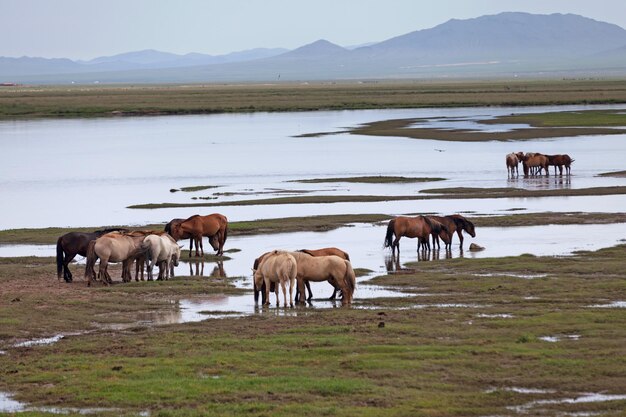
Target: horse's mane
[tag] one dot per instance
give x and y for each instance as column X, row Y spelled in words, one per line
column 307, row 251
column 192, row 217
column 461, row 222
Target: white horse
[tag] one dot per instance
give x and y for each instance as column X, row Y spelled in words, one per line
column 278, row 267
column 163, row 251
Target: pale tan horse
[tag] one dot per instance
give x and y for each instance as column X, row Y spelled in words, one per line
column 278, row 267
column 332, row 268
column 113, row 247
column 324, row 252
column 163, row 251
column 214, row 226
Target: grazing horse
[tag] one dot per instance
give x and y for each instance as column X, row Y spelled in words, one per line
column 113, row 247
column 163, row 251
column 278, row 267
column 261, row 289
column 533, row 161
column 75, row 243
column 324, row 252
column 560, row 161
column 413, row 227
column 332, row 268
column 214, row 226
column 512, row 162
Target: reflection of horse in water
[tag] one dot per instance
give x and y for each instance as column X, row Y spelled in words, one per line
column 420, row 227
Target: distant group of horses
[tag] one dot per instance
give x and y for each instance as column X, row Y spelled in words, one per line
column 535, row 163
column 272, row 270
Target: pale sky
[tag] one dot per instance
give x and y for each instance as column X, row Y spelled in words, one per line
column 85, row 29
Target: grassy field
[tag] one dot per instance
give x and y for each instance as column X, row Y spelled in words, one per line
column 98, row 101
column 544, row 126
column 472, row 338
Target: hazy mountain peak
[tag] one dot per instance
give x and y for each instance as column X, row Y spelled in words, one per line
column 316, row 49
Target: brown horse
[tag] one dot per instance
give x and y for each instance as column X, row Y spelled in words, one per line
column 75, row 243
column 278, row 267
column 413, row 227
column 324, row 252
column 214, row 226
column 113, row 247
column 560, row 161
column 532, row 161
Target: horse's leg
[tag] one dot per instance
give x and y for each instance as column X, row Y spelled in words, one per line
column 266, row 302
column 283, row 284
column 201, row 246
column 302, row 296
column 292, row 283
column 308, row 287
column 67, row 274
column 459, row 232
column 191, row 239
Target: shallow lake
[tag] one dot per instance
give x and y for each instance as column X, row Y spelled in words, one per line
column 86, row 172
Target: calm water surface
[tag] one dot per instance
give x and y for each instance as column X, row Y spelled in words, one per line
column 86, row 172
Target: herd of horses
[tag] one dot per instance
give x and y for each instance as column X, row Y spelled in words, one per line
column 272, row 270
column 534, row 163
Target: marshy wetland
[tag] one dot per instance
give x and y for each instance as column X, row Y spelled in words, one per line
column 532, row 325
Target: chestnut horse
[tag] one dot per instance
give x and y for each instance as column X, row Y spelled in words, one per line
column 439, row 230
column 277, row 267
column 456, row 223
column 533, row 161
column 168, row 229
column 75, row 243
column 214, row 226
column 419, row 227
column 560, row 161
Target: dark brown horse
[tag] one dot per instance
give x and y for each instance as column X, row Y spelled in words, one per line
column 214, row 226
column 560, row 161
column 413, row 227
column 75, row 243
column 457, row 223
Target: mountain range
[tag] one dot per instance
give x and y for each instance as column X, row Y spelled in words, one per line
column 506, row 45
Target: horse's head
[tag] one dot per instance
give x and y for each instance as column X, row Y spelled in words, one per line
column 214, row 241
column 520, row 156
column 469, row 228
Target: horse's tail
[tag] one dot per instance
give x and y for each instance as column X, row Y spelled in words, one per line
column 345, row 254
column 60, row 255
column 389, row 236
column 92, row 257
column 225, row 234
column 350, row 280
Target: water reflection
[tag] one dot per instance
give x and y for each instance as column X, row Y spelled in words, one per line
column 394, row 265
column 551, row 182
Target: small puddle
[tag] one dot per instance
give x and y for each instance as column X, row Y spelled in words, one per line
column 554, row 339
column 582, row 398
column 614, row 304
column 523, row 276
column 40, row 342
column 9, row 405
column 495, row 316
